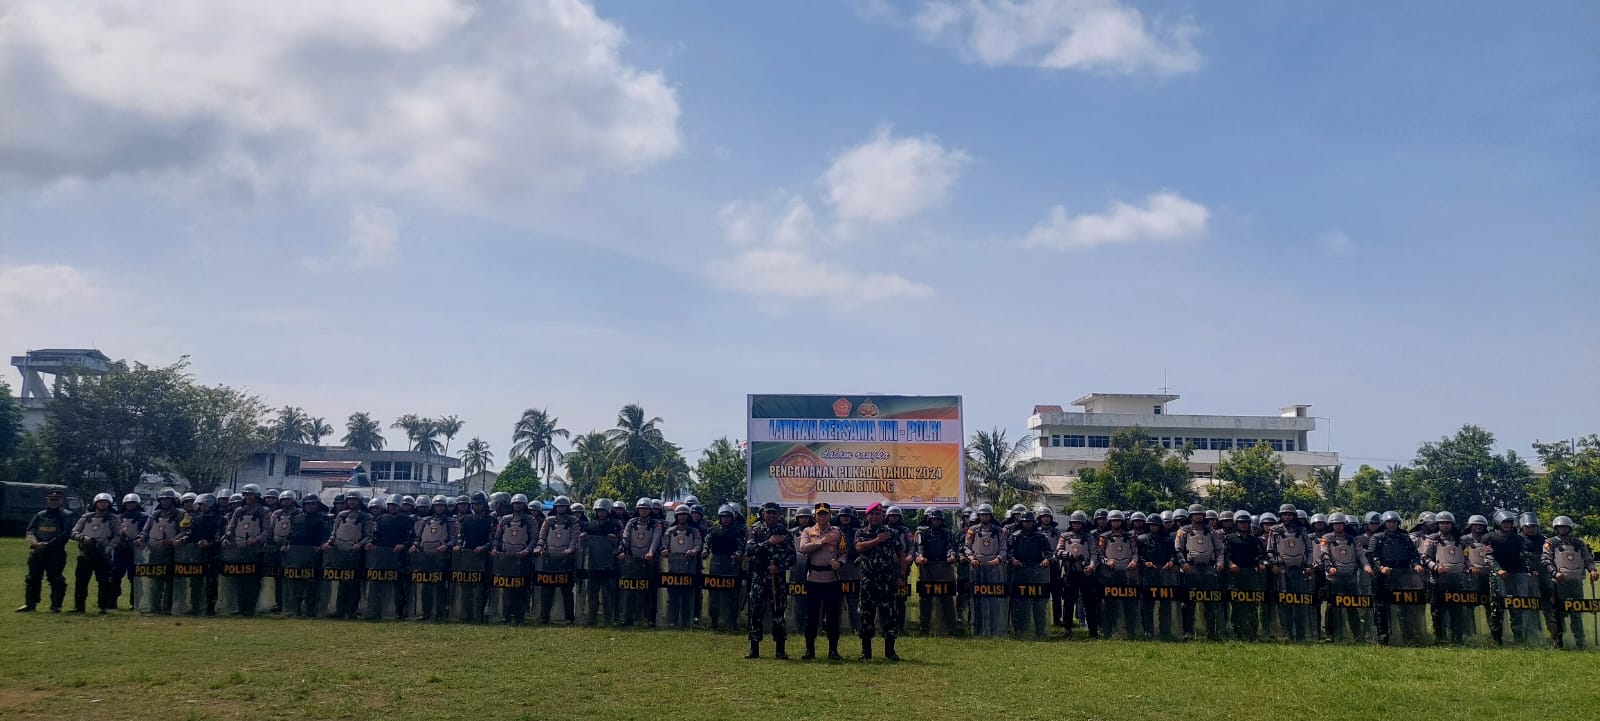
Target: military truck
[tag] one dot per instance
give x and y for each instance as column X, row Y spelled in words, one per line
column 19, row 501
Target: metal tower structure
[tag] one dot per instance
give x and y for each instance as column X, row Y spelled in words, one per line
column 56, row 362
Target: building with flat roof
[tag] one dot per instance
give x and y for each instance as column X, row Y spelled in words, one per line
column 305, row 468
column 34, row 393
column 1066, row 442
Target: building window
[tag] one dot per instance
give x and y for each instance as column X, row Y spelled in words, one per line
column 1055, row 441
column 1246, row 443
column 291, row 465
column 1221, row 444
column 1288, row 446
column 1275, row 444
column 272, row 463
column 1074, row 441
column 382, row 470
column 1099, row 441
column 1177, row 442
column 402, row 470
column 1156, row 410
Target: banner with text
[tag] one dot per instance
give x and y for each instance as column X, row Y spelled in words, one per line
column 856, row 449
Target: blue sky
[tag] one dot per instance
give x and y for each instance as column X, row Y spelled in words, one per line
column 1388, row 212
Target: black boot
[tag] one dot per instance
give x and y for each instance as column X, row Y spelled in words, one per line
column 778, row 653
column 866, row 648
column 811, row 649
column 888, row 650
column 755, row 650
column 833, row 650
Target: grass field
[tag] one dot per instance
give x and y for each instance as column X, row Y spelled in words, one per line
column 130, row 667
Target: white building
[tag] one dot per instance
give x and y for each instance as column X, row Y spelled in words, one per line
column 1068, row 442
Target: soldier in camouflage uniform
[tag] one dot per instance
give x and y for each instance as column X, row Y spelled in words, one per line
column 894, row 518
column 1568, row 560
column 770, row 551
column 882, row 556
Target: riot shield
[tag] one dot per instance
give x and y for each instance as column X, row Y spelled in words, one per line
column 300, row 573
column 849, row 586
column 1294, row 600
column 469, row 585
column 1030, row 602
column 239, row 590
column 1577, row 608
column 991, row 608
column 1525, row 606
column 555, row 578
column 722, row 590
column 1203, row 603
column 936, row 597
column 382, row 578
column 509, row 586
column 1245, row 600
column 1407, row 600
column 189, row 563
column 1120, row 595
column 430, row 571
column 1459, row 601
column 341, row 588
column 1369, row 613
column 1159, row 601
column 1347, row 608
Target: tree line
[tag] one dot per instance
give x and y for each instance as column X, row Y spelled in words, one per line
column 104, row 432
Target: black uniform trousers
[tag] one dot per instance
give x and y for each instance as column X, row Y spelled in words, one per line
column 46, row 562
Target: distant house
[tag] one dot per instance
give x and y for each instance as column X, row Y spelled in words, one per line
column 480, row 481
column 305, row 468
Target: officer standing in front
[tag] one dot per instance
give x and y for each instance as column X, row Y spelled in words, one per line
column 882, row 556
column 557, row 554
column 821, row 547
column 94, row 532
column 47, row 535
column 770, row 552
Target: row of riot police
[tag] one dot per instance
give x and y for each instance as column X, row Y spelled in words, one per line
column 1180, row 574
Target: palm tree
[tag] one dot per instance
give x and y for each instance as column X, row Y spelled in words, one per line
column 291, row 426
column 1327, row 480
column 364, row 433
column 995, row 465
column 637, row 440
column 589, row 460
column 477, row 456
column 449, row 426
column 422, row 432
column 535, row 436
column 317, row 430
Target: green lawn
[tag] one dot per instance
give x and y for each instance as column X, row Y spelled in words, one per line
column 130, row 667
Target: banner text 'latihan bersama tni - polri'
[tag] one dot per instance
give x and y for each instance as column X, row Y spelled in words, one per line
column 856, row 449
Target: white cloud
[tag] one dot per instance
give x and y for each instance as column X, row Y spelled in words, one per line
column 26, row 289
column 776, row 260
column 1336, row 241
column 374, row 232
column 775, row 276
column 785, row 221
column 444, row 97
column 1165, row 216
column 888, row 179
column 1092, row 35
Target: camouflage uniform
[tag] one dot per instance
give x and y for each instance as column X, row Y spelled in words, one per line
column 880, row 579
column 769, row 591
column 1567, row 559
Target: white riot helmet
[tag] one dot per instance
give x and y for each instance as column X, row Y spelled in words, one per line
column 132, row 498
